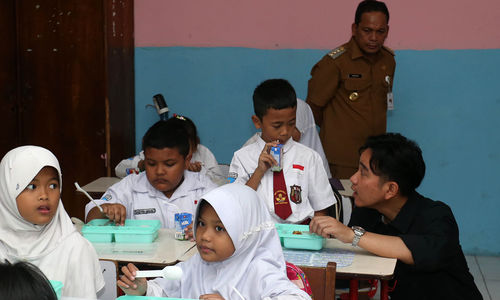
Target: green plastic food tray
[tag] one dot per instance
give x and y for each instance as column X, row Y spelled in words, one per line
column 57, row 286
column 134, row 231
column 306, row 241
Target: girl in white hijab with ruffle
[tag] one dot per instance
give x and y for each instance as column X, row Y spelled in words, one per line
column 34, row 226
column 239, row 254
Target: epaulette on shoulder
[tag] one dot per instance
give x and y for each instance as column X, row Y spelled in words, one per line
column 336, row 52
column 389, row 50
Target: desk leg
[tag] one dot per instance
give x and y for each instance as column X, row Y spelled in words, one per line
column 353, row 289
column 384, row 290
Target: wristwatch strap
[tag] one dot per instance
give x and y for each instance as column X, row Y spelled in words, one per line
column 358, row 233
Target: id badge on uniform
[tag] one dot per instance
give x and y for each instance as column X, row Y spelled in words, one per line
column 390, row 101
column 390, row 96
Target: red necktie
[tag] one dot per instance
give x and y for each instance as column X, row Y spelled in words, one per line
column 282, row 206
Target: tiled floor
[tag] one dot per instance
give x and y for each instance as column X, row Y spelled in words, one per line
column 486, row 272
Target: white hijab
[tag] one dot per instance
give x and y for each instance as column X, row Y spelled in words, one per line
column 52, row 247
column 256, row 269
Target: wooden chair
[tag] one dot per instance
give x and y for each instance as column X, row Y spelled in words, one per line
column 322, row 281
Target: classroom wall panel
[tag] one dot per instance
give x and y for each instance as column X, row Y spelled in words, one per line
column 206, row 57
column 447, row 100
column 314, row 24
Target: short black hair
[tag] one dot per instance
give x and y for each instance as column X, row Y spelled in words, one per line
column 167, row 134
column 273, row 93
column 370, row 6
column 24, row 281
column 396, row 158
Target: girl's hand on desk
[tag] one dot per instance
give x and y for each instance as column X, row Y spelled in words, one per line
column 329, row 227
column 131, row 285
column 211, row 297
column 115, row 212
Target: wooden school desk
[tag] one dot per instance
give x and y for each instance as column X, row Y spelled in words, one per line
column 364, row 266
column 97, row 187
column 353, row 263
column 165, row 250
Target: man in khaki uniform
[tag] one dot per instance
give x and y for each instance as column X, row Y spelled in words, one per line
column 350, row 89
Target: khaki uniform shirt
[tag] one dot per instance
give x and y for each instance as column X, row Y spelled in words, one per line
column 348, row 96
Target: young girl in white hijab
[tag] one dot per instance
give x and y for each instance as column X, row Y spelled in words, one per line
column 239, row 254
column 34, row 226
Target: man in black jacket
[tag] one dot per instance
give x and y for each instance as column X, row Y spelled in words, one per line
column 392, row 220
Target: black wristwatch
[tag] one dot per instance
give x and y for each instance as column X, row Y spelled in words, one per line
column 358, row 233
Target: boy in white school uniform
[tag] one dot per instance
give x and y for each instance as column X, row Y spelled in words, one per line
column 164, row 189
column 305, row 132
column 299, row 191
column 202, row 159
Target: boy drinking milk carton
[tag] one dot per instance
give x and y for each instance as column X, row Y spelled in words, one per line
column 300, row 189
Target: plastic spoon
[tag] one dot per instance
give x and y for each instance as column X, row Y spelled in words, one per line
column 78, row 188
column 169, row 273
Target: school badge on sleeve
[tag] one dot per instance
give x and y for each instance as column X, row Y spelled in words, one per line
column 295, row 194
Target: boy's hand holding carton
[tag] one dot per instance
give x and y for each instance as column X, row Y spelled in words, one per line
column 266, row 159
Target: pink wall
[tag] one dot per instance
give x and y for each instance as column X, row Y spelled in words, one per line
column 313, row 24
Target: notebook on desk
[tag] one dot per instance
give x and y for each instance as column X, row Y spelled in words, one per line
column 342, row 257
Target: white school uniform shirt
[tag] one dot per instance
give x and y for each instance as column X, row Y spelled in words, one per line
column 302, row 166
column 256, row 269
column 209, row 164
column 56, row 248
column 209, row 167
column 143, row 202
column 308, row 133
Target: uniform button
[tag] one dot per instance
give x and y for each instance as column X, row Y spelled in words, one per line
column 353, row 96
